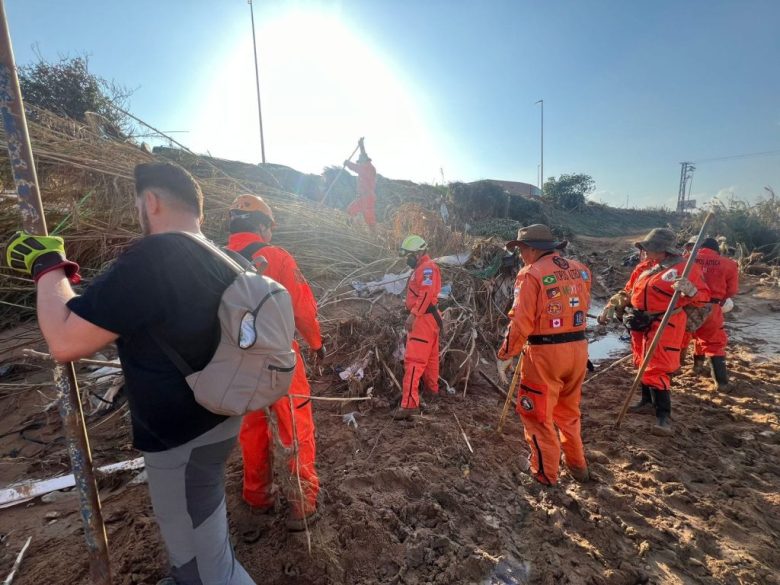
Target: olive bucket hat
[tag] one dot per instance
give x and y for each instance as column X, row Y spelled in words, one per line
column 537, row 236
column 659, row 240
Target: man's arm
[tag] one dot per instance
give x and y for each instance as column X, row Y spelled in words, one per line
column 304, row 303
column 69, row 336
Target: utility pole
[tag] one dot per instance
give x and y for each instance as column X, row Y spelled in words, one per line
column 541, row 175
column 257, row 82
column 686, row 180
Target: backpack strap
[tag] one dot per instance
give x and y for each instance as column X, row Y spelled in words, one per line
column 250, row 250
column 236, row 263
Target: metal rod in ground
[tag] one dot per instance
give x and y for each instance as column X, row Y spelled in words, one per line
column 338, row 176
column 510, row 394
column 667, row 315
column 608, row 368
column 33, row 221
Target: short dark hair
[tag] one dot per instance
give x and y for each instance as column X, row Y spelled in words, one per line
column 173, row 179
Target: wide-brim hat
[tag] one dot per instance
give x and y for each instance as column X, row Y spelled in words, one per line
column 659, row 240
column 536, row 236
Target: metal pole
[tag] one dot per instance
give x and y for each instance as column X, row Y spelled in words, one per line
column 667, row 315
column 257, row 82
column 541, row 175
column 33, row 220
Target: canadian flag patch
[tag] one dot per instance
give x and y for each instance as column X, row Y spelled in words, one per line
column 555, row 323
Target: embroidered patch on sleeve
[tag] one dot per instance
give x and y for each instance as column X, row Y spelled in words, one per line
column 549, row 279
column 427, row 279
column 670, row 275
column 553, row 293
column 579, row 318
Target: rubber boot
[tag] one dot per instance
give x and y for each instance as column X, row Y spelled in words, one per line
column 663, row 412
column 699, row 369
column 645, row 404
column 720, row 373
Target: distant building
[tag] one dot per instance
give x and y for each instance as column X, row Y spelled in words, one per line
column 518, row 189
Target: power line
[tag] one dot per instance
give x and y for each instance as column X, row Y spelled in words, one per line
column 737, row 156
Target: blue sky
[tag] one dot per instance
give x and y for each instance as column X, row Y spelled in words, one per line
column 630, row 88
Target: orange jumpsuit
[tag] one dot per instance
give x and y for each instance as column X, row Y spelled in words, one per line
column 650, row 289
column 722, row 277
column 366, row 191
column 552, row 298
column 255, row 436
column 421, row 358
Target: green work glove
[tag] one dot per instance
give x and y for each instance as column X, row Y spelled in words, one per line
column 37, row 255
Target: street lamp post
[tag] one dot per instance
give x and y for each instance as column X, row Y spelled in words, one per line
column 541, row 176
column 257, row 82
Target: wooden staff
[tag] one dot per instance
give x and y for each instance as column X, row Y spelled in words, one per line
column 510, row 394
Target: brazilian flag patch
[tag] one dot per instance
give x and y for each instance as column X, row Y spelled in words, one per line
column 549, row 279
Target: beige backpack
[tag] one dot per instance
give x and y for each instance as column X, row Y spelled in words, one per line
column 254, row 362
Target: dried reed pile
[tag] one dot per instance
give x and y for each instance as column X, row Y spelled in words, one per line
column 86, row 182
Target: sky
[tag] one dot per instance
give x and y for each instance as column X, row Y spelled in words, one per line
column 445, row 90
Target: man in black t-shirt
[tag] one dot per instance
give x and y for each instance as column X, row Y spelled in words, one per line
column 164, row 286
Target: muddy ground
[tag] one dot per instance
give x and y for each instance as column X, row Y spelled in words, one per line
column 409, row 503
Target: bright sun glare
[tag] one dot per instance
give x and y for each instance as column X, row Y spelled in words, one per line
column 322, row 88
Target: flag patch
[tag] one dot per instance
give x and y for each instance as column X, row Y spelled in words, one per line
column 574, row 302
column 549, row 279
column 553, row 293
column 555, row 323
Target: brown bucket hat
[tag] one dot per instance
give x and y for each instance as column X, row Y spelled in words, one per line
column 659, row 240
column 537, row 236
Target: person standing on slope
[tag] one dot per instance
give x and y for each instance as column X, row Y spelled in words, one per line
column 365, row 204
column 547, row 324
column 251, row 230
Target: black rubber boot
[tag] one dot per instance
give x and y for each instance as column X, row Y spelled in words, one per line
column 699, row 368
column 645, row 404
column 720, row 373
column 663, row 412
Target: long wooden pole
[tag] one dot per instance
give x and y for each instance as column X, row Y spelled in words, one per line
column 33, row 221
column 338, row 176
column 664, row 321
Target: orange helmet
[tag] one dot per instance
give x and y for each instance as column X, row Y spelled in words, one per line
column 253, row 203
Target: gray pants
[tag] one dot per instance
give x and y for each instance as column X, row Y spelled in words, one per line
column 187, row 486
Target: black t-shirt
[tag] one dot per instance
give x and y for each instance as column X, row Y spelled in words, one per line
column 170, row 285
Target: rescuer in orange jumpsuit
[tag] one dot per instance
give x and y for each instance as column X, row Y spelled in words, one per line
column 421, row 358
column 251, row 225
column 365, row 203
column 650, row 288
column 547, row 322
column 710, row 340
